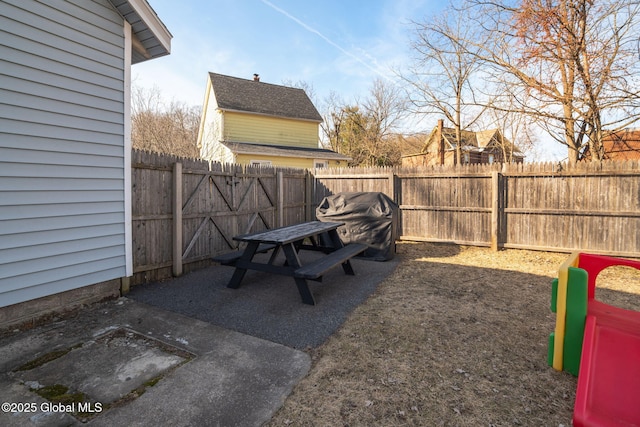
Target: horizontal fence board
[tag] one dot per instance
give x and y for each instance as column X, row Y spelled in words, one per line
column 571, row 212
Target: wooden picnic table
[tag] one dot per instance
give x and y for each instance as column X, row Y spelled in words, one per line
column 314, row 235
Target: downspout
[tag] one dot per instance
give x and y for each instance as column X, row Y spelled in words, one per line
column 128, row 228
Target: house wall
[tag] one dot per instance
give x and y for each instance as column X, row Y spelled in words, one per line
column 62, row 162
column 210, row 133
column 292, row 162
column 242, row 127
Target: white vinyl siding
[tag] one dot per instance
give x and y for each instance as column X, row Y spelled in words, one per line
column 62, row 163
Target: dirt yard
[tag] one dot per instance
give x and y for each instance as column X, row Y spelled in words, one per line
column 456, row 336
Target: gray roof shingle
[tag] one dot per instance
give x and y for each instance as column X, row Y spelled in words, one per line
column 233, row 93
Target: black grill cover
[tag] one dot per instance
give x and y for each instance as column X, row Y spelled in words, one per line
column 370, row 218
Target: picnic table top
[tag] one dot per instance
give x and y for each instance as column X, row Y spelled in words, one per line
column 290, row 233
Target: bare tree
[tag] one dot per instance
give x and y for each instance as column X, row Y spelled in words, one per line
column 385, row 108
column 516, row 127
column 164, row 128
column 446, row 77
column 572, row 57
column 365, row 130
column 332, row 124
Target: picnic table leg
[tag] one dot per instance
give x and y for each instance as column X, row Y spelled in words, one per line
column 348, row 268
column 274, row 254
column 294, row 261
column 247, row 256
column 337, row 244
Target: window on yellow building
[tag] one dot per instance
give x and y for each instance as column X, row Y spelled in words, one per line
column 260, row 163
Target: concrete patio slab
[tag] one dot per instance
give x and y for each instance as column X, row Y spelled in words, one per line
column 182, row 371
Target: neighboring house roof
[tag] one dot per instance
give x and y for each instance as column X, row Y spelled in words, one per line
column 250, row 96
column 478, row 142
column 485, row 137
column 283, row 151
column 151, row 38
column 410, row 143
column 622, row 145
column 493, row 138
column 468, row 138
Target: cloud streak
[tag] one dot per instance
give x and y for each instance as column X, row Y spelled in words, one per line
column 327, row 39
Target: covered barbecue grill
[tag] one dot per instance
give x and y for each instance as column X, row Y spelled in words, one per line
column 369, row 217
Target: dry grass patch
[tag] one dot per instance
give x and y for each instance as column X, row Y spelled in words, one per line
column 456, row 336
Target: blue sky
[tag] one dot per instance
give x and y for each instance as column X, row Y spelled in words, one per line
column 332, row 45
column 338, row 46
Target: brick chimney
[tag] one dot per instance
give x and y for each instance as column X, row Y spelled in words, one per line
column 440, row 142
column 256, row 77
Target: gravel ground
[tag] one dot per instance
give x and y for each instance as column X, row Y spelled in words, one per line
column 266, row 305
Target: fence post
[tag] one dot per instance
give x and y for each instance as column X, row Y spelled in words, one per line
column 177, row 219
column 496, row 207
column 392, row 186
column 309, row 196
column 280, row 200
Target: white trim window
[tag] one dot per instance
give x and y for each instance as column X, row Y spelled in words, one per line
column 260, row 163
column 320, row 164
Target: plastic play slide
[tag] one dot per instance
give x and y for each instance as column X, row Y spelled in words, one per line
column 597, row 342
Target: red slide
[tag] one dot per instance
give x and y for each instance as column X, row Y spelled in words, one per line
column 608, row 392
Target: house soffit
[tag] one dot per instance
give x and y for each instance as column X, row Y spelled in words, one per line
column 151, row 38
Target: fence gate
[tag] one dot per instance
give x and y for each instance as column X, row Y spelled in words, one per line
column 213, row 206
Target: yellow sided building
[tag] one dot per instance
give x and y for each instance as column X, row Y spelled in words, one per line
column 254, row 123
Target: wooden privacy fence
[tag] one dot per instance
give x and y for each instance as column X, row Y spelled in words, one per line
column 591, row 207
column 185, row 211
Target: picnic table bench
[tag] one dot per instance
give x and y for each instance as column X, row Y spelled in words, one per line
column 322, row 237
